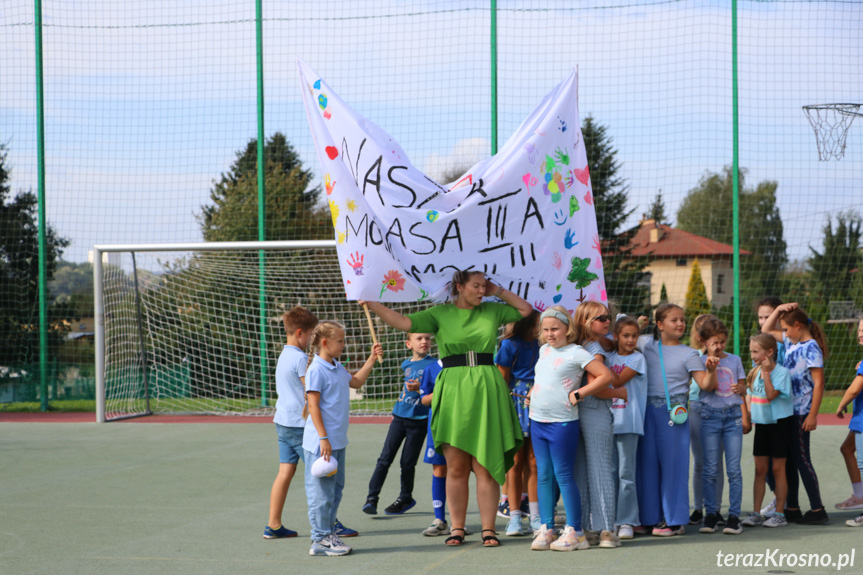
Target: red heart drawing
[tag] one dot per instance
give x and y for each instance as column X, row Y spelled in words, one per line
column 327, row 115
column 332, row 152
column 583, row 175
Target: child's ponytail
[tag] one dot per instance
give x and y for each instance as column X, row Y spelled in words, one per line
column 801, row 317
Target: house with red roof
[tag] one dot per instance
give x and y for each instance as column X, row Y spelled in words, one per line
column 672, row 252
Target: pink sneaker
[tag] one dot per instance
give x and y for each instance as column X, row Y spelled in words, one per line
column 851, row 503
column 542, row 539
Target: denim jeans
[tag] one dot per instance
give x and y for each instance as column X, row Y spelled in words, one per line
column 698, row 459
column 555, row 446
column 324, row 495
column 626, row 450
column 722, row 427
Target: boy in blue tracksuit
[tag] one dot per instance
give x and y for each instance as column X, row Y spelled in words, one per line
column 410, row 419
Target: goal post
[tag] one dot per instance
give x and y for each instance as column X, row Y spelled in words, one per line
column 178, row 326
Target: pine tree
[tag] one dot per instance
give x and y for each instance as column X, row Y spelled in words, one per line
column 663, row 294
column 697, row 302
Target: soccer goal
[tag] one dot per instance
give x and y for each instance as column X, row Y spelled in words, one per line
column 197, row 328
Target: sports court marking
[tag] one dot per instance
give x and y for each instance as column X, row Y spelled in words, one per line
column 91, row 418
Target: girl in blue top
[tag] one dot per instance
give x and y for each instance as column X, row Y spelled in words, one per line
column 854, row 441
column 805, row 352
column 724, row 419
column 629, row 368
column 328, row 386
column 771, row 406
column 663, row 453
column 515, row 359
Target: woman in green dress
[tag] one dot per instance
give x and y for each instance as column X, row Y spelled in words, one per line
column 474, row 422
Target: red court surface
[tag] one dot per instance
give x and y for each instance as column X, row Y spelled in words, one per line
column 91, row 418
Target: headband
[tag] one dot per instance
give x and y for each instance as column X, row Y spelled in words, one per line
column 555, row 314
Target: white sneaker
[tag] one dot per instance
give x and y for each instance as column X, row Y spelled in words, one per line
column 852, row 502
column 856, row 522
column 542, row 539
column 330, row 545
column 570, row 541
column 625, row 532
column 776, row 521
column 437, row 527
column 753, row 520
column 769, row 509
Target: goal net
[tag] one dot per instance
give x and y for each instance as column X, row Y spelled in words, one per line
column 197, row 328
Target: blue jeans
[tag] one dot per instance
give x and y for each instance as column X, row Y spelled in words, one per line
column 722, row 429
column 698, row 459
column 555, row 446
column 324, row 495
column 626, row 445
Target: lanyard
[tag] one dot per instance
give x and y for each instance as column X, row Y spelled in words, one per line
column 664, row 377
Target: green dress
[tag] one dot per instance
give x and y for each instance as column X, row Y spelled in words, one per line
column 471, row 406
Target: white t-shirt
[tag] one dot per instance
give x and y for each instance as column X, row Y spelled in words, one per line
column 558, row 372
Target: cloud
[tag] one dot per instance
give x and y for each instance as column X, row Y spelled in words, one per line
column 465, row 153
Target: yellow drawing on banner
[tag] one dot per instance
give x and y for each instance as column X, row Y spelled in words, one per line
column 334, row 211
column 352, row 206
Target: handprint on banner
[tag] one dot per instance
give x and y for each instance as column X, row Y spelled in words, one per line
column 568, row 239
column 596, row 245
column 530, row 150
column 562, row 157
column 539, row 306
column 556, row 261
column 356, row 262
column 328, row 184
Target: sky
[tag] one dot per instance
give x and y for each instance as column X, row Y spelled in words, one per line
column 146, row 102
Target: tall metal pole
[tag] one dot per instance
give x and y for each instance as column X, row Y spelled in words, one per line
column 493, row 42
column 43, row 270
column 735, row 171
column 262, row 206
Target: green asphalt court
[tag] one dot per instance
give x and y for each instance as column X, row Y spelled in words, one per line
column 193, row 499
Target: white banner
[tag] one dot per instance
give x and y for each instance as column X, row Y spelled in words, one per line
column 525, row 216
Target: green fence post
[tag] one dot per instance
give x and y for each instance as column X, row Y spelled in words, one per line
column 262, row 208
column 735, row 206
column 493, row 42
column 40, row 151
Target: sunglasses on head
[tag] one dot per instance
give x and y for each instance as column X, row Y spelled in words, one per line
column 602, row 317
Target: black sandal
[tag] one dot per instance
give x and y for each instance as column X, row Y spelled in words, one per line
column 455, row 540
column 490, row 540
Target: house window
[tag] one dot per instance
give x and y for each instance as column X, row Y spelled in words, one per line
column 720, row 283
column 681, row 263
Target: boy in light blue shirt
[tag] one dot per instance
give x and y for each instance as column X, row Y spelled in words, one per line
column 408, row 425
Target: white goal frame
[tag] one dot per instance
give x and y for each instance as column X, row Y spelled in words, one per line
column 99, row 250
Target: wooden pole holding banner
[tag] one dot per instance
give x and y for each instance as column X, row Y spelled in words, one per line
column 372, row 329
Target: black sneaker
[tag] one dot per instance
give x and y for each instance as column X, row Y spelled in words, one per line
column 696, row 517
column 733, row 526
column 709, row 524
column 814, row 518
column 400, row 505
column 525, row 507
column 793, row 515
column 719, row 519
column 371, row 506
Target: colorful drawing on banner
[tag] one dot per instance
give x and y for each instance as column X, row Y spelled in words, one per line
column 558, row 296
column 332, row 152
column 318, row 84
column 530, row 150
column 554, row 186
column 356, row 262
column 569, row 240
column 548, row 165
column 556, row 261
column 583, row 175
column 352, row 206
column 562, row 126
column 393, row 281
column 579, row 275
column 341, row 237
column 596, row 245
column 562, row 157
column 573, row 205
column 529, row 181
column 560, row 217
column 329, row 185
column 334, row 212
column 327, row 114
column 432, row 216
column 588, row 197
column 322, row 101
column 423, row 294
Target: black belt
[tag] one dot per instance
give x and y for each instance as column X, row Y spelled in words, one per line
column 469, row 359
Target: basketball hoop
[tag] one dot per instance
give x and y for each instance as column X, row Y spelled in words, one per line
column 831, row 123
